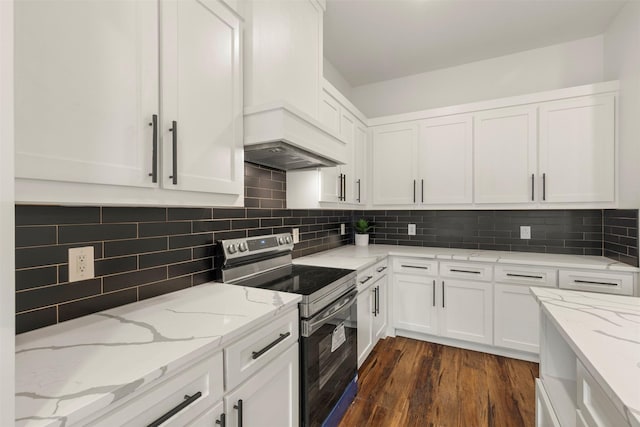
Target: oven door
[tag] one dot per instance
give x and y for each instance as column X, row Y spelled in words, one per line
column 329, row 360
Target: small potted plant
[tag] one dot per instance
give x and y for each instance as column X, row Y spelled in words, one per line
column 362, row 227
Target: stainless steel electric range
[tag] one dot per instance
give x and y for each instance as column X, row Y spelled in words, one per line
column 328, row 328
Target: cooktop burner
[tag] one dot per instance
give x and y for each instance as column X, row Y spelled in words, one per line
column 297, row 279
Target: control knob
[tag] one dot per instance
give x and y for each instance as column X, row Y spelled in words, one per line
column 232, row 249
column 281, row 240
column 288, row 239
column 243, row 247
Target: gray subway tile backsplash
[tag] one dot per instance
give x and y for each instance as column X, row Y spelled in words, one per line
column 143, row 252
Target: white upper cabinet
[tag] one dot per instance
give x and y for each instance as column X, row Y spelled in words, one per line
column 201, row 97
column 86, row 91
column 395, row 164
column 330, row 112
column 89, row 77
column 505, row 155
column 283, row 54
column 577, row 149
column 445, row 149
column 361, row 159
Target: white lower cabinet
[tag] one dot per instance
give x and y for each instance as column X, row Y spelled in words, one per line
column 270, row 397
column 211, row 417
column 516, row 318
column 545, row 417
column 467, row 311
column 371, row 309
column 415, row 304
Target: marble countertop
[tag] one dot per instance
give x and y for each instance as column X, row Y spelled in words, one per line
column 604, row 332
column 68, row 371
column 361, row 257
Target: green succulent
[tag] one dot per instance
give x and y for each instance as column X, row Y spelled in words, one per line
column 362, row 226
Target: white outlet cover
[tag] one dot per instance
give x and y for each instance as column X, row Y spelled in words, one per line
column 296, row 235
column 412, row 230
column 81, row 263
column 343, row 230
column 525, row 232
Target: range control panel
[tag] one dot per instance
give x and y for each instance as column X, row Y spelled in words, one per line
column 250, row 246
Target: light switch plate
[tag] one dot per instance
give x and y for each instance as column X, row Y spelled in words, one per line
column 525, row 232
column 81, row 266
column 412, row 230
column 296, row 235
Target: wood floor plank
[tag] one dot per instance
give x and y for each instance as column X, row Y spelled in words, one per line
column 406, row 382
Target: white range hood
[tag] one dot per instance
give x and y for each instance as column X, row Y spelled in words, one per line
column 280, row 136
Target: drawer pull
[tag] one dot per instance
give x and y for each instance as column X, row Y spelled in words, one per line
column 381, row 269
column 590, row 282
column 366, row 279
column 239, row 408
column 188, row 400
column 524, row 275
column 222, row 422
column 416, row 266
column 465, row 271
column 282, row 337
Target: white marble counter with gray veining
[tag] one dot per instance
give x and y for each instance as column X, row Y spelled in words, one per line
column 604, row 333
column 68, row 371
column 360, row 257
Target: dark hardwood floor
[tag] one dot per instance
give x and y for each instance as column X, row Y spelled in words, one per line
column 405, row 382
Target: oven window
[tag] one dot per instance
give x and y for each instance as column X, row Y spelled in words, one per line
column 325, row 373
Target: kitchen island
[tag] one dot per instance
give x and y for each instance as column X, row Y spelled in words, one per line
column 590, row 359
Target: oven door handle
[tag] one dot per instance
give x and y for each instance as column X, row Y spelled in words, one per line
column 311, row 325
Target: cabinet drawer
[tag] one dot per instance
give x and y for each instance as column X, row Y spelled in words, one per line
column 530, row 276
column 371, row 275
column 545, row 415
column 420, row 266
column 254, row 351
column 204, row 377
column 593, row 281
column 462, row 270
column 594, row 404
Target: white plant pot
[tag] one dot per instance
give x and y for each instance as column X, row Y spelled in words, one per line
column 362, row 239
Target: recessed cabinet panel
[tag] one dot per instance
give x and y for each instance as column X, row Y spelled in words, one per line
column 202, row 94
column 467, row 312
column 577, row 149
column 415, row 304
column 86, row 88
column 330, row 112
column 505, row 155
column 516, row 318
column 395, row 164
column 445, row 150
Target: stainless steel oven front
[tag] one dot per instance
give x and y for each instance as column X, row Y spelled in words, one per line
column 328, row 351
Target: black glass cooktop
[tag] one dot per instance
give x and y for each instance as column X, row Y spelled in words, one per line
column 296, row 279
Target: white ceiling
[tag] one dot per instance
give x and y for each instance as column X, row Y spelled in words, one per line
column 374, row 40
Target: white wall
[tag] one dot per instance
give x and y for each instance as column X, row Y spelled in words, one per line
column 553, row 67
column 7, row 265
column 622, row 62
column 336, row 78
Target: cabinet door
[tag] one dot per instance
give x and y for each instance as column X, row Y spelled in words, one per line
column 577, row 149
column 330, row 112
column 330, row 184
column 202, row 94
column 516, row 318
column 347, row 133
column 445, row 159
column 505, row 155
column 270, row 397
column 415, row 304
column 360, row 154
column 365, row 306
column 380, row 318
column 86, row 89
column 467, row 311
column 395, row 164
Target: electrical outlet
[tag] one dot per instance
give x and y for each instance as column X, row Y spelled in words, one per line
column 81, row 264
column 412, row 230
column 343, row 230
column 296, row 235
column 525, row 232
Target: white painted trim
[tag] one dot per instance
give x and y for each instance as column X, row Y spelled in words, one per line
column 469, row 345
column 7, row 245
column 512, row 101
